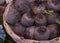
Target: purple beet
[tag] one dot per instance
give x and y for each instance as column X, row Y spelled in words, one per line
column 53, row 30
column 27, row 20
column 12, row 16
column 22, row 5
column 30, row 32
column 54, row 4
column 41, row 33
column 51, row 18
column 19, row 29
column 38, row 9
column 40, row 20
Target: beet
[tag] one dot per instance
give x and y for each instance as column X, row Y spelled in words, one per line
column 40, row 20
column 54, row 4
column 51, row 18
column 12, row 16
column 19, row 29
column 53, row 30
column 41, row 33
column 27, row 20
column 30, row 32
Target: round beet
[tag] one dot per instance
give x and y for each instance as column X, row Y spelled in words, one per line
column 27, row 20
column 51, row 18
column 12, row 16
column 38, row 9
column 54, row 4
column 41, row 33
column 30, row 32
column 19, row 29
column 40, row 20
column 53, row 30
column 22, row 6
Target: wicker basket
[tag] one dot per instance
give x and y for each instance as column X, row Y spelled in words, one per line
column 18, row 39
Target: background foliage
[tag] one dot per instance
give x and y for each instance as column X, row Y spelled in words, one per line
column 8, row 39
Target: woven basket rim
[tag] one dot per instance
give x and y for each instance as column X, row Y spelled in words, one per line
column 15, row 37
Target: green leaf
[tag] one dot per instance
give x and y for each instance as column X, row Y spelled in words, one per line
column 57, row 21
column 49, row 11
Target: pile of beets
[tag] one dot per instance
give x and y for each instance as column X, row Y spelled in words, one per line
column 35, row 19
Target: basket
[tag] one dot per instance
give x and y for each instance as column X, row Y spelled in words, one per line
column 18, row 39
